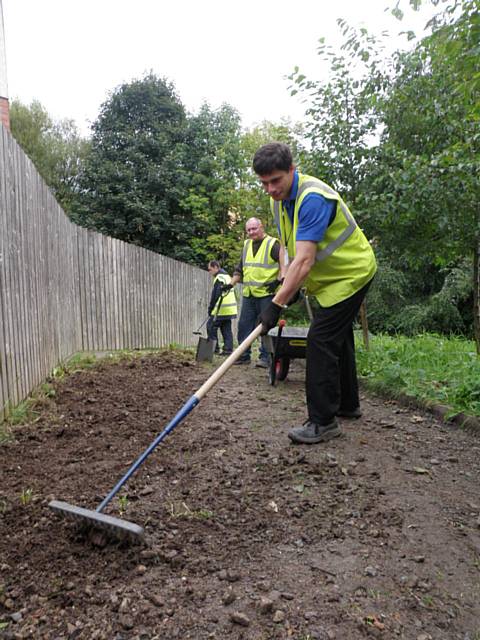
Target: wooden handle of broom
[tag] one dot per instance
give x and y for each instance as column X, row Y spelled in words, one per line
column 225, row 366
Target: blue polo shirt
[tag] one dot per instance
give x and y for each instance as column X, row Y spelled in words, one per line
column 315, row 214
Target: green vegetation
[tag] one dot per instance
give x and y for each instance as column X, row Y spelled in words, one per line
column 396, row 134
column 428, row 367
column 5, row 433
column 55, row 147
column 182, row 510
column 26, row 496
column 122, row 504
column 22, row 413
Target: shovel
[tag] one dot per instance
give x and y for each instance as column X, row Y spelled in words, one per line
column 122, row 529
column 206, row 347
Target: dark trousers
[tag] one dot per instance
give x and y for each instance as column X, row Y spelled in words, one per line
column 225, row 326
column 331, row 381
column 251, row 309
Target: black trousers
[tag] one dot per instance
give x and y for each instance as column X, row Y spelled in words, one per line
column 331, row 381
column 225, row 326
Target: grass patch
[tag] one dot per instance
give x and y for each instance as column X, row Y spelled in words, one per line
column 431, row 368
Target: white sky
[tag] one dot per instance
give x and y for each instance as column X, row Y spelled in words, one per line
column 69, row 54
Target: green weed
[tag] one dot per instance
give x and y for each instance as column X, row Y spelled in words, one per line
column 122, row 504
column 182, row 510
column 5, row 433
column 427, row 601
column 22, row 413
column 26, row 496
column 203, row 514
column 47, row 390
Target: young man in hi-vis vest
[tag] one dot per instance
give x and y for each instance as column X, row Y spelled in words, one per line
column 258, row 270
column 325, row 251
column 222, row 308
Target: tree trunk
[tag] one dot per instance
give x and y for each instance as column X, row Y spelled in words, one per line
column 364, row 323
column 476, row 293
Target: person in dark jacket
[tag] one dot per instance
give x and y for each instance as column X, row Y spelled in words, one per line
column 222, row 308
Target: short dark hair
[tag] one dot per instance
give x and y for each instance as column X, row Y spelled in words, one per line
column 214, row 264
column 274, row 156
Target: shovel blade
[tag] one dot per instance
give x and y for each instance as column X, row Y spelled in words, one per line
column 205, row 350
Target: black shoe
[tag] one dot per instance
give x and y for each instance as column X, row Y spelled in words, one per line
column 242, row 361
column 350, row 413
column 311, row 433
column 225, row 353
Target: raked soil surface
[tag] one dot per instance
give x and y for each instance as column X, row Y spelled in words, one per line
column 374, row 535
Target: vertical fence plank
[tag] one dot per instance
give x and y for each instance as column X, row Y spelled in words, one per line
column 4, row 386
column 11, row 354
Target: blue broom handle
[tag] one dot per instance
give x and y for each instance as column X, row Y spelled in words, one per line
column 184, row 411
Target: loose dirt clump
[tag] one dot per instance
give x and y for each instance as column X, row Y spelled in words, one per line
column 373, row 535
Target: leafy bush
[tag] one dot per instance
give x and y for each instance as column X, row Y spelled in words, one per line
column 386, row 298
column 395, row 304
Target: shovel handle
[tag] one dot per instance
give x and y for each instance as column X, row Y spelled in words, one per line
column 225, row 366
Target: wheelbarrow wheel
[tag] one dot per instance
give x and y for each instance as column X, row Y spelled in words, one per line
column 278, row 369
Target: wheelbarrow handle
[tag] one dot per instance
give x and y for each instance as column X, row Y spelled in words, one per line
column 273, row 364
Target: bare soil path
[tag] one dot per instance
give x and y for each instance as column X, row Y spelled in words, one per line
column 374, row 535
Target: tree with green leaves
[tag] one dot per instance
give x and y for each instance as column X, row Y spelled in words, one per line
column 224, row 191
column 132, row 184
column 213, row 168
column 401, row 140
column 339, row 120
column 424, row 183
column 56, row 148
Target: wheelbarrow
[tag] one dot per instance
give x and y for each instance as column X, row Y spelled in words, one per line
column 284, row 344
column 287, row 343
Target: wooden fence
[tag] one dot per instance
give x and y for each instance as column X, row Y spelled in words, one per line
column 64, row 289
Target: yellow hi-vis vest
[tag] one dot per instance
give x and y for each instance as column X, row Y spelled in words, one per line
column 259, row 270
column 228, row 306
column 345, row 261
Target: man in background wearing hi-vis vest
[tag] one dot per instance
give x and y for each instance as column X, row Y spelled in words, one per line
column 324, row 250
column 222, row 308
column 258, row 269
